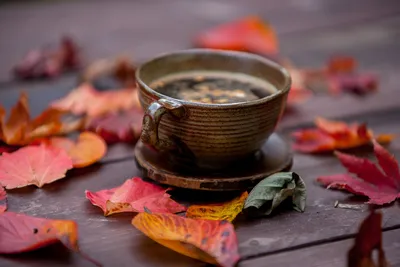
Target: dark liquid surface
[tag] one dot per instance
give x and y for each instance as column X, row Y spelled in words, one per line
column 213, row 88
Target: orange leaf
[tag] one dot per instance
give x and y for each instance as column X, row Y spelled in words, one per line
column 21, row 130
column 33, row 165
column 210, row 241
column 331, row 135
column 22, row 233
column 3, row 200
column 342, row 64
column 369, row 238
column 222, row 211
column 247, row 34
column 87, row 100
column 135, row 195
column 12, row 131
column 88, row 149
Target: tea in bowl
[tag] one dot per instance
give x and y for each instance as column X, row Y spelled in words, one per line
column 210, row 108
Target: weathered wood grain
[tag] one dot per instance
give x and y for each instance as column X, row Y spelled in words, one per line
column 332, row 254
column 113, row 240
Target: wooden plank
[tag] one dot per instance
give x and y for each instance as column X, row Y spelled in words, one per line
column 332, row 254
column 121, row 30
column 113, row 240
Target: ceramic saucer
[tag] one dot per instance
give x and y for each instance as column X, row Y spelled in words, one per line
column 274, row 156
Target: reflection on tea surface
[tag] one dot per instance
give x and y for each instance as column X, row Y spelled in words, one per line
column 213, row 87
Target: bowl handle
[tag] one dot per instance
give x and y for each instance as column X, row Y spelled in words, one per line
column 151, row 121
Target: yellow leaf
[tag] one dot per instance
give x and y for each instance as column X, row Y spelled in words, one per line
column 223, row 211
column 210, row 241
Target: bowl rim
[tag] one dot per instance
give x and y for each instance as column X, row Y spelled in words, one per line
column 278, row 93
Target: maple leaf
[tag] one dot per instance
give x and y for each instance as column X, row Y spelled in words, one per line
column 20, row 129
column 120, row 127
column 368, row 238
column 3, row 200
column 210, row 241
column 87, row 100
column 248, row 34
column 134, row 195
column 33, row 165
column 221, row 211
column 381, row 185
column 88, row 149
column 22, row 233
column 330, row 135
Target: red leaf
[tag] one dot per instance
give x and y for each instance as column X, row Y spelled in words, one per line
column 134, row 196
column 49, row 62
column 33, row 165
column 248, row 34
column 3, row 200
column 331, row 135
column 21, row 233
column 87, row 100
column 369, row 238
column 381, row 188
column 121, row 127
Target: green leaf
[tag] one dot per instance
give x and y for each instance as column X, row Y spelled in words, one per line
column 273, row 190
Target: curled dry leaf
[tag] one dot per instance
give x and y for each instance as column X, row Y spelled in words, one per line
column 381, row 183
column 330, row 135
column 87, row 100
column 135, row 195
column 248, row 34
column 33, row 165
column 368, row 238
column 124, row 126
column 20, row 129
column 88, row 149
column 210, row 241
column 222, row 211
column 22, row 233
column 3, row 200
column 40, row 63
column 273, row 190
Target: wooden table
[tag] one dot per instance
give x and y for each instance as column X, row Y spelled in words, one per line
column 310, row 31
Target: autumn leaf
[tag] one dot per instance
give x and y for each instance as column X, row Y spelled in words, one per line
column 134, row 195
column 222, row 211
column 38, row 63
column 210, row 241
column 22, row 233
column 330, row 135
column 33, row 165
column 248, row 34
column 88, row 149
column 87, row 100
column 368, row 238
column 273, row 190
column 121, row 127
column 20, row 129
column 3, row 200
column 380, row 182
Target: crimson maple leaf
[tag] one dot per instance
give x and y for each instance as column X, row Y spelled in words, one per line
column 380, row 182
